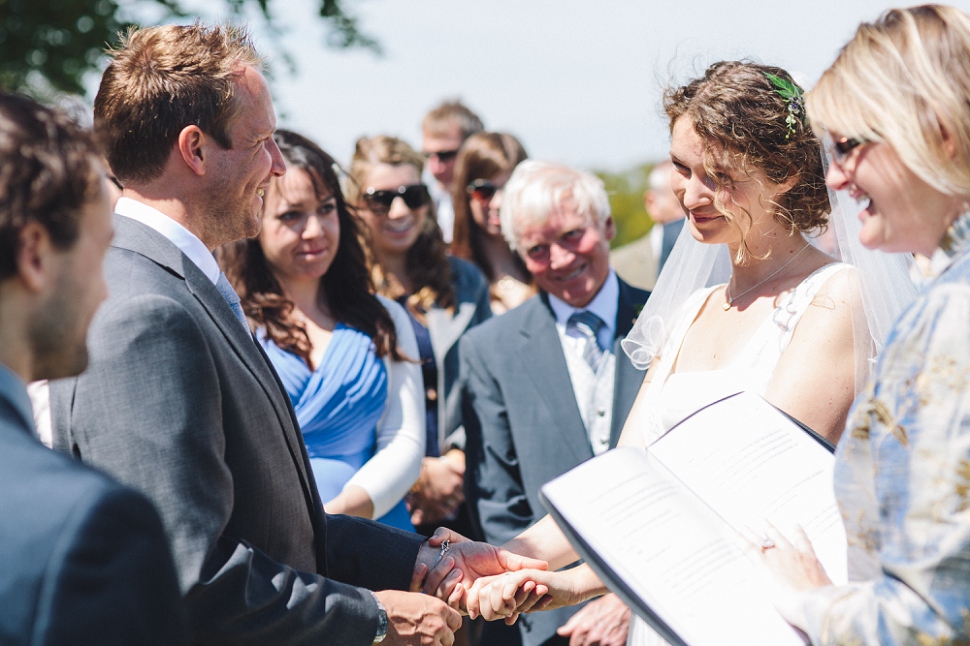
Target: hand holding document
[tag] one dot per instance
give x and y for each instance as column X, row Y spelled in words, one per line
column 661, row 526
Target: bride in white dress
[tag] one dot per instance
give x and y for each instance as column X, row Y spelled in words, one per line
column 745, row 302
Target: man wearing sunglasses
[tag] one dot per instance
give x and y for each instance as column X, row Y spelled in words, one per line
column 443, row 131
column 546, row 386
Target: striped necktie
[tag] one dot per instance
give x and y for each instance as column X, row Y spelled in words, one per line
column 588, row 325
column 232, row 299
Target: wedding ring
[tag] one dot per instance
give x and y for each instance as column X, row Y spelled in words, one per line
column 444, row 550
column 767, row 544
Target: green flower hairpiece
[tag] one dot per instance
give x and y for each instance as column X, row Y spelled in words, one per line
column 793, row 95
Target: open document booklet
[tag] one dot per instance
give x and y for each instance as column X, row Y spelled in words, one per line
column 659, row 524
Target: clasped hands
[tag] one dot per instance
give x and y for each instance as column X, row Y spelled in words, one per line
column 488, row 581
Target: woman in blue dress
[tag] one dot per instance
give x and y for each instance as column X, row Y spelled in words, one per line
column 346, row 357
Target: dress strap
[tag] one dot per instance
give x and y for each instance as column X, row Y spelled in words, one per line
column 793, row 304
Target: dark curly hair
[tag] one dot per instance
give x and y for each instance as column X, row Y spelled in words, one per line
column 738, row 111
column 427, row 263
column 346, row 286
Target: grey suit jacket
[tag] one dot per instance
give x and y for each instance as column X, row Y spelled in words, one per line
column 180, row 403
column 523, row 423
column 83, row 560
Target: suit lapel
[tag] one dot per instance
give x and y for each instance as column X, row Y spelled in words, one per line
column 627, row 380
column 540, row 350
column 445, row 328
column 143, row 240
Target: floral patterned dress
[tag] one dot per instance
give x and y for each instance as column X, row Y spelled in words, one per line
column 903, row 478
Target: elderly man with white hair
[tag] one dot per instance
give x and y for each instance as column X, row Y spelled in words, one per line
column 545, row 386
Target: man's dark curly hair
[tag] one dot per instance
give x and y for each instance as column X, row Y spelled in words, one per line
column 47, row 174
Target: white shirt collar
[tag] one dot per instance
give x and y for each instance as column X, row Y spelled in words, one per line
column 604, row 305
column 185, row 240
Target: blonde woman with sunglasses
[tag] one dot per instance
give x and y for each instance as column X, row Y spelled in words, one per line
column 444, row 296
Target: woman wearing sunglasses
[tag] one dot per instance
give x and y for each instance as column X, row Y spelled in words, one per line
column 342, row 353
column 485, row 162
column 896, row 107
column 443, row 296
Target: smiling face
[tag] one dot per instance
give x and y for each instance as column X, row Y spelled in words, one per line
column 900, row 212
column 746, row 195
column 392, row 234
column 241, row 174
column 301, row 229
column 485, row 211
column 569, row 254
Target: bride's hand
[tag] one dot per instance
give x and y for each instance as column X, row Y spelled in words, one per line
column 513, row 593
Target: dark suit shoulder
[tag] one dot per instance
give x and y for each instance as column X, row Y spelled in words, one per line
column 67, row 544
column 634, row 295
column 468, row 280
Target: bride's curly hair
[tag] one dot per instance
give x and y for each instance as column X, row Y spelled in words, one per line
column 744, row 121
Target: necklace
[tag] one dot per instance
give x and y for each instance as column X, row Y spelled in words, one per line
column 730, row 300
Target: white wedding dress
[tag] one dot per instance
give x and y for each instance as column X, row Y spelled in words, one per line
column 670, row 397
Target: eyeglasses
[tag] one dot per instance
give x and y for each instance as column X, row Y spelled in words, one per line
column 482, row 189
column 842, row 147
column 415, row 196
column 442, row 155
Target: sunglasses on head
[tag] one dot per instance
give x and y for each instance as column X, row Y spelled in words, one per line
column 442, row 155
column 415, row 196
column 482, row 189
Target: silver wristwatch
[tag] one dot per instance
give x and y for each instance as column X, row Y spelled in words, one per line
column 381, row 621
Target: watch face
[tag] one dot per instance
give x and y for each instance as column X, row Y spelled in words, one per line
column 381, row 624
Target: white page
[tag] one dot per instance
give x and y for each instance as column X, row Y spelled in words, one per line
column 672, row 550
column 752, row 464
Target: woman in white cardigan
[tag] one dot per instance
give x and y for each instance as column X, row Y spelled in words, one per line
column 345, row 356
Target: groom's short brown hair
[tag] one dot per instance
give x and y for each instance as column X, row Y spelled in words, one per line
column 162, row 79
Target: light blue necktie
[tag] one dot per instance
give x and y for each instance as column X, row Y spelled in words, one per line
column 588, row 325
column 232, row 298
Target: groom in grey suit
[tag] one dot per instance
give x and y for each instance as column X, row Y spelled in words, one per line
column 182, row 404
column 546, row 386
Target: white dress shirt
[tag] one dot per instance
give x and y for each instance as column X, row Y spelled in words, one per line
column 444, row 209
column 185, row 240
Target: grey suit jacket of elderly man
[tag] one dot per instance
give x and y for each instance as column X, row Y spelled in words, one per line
column 523, row 424
column 180, row 403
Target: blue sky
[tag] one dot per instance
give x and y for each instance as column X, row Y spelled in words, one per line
column 577, row 81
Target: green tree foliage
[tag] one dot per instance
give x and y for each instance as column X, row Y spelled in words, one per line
column 625, row 190
column 49, row 45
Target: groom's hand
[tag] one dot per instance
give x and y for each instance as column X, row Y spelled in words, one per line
column 463, row 563
column 414, row 619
